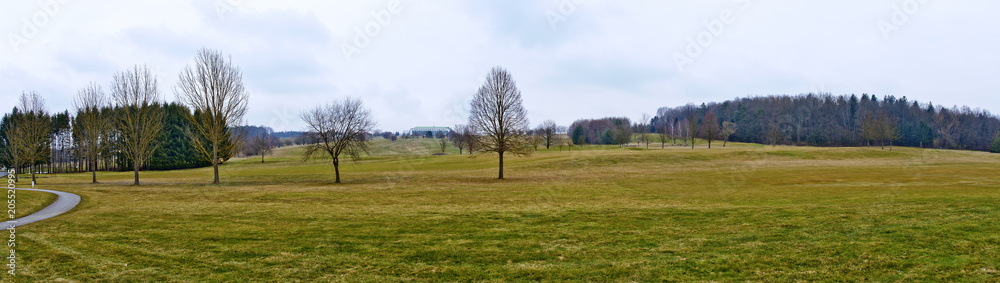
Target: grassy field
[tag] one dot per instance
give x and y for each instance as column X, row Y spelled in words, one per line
column 746, row 212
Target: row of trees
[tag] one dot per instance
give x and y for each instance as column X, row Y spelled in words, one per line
column 827, row 120
column 131, row 125
column 610, row 130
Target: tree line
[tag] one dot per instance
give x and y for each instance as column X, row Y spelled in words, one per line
column 130, row 126
column 828, row 120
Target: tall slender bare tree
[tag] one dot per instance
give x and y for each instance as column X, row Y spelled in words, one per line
column 643, row 127
column 29, row 133
column 93, row 124
column 498, row 116
column 139, row 119
column 710, row 127
column 460, row 137
column 692, row 119
column 339, row 128
column 213, row 88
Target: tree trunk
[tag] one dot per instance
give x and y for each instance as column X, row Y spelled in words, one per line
column 501, row 165
column 215, row 162
column 336, row 169
column 216, row 166
column 724, row 142
column 93, row 171
column 135, row 168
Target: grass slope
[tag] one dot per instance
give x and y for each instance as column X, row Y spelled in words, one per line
column 745, row 212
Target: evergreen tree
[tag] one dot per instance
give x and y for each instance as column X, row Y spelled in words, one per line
column 995, row 147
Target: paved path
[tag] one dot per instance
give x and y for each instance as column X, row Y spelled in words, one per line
column 64, row 203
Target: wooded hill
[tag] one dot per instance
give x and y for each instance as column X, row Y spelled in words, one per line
column 827, row 120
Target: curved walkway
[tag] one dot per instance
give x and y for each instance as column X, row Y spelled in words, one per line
column 64, row 203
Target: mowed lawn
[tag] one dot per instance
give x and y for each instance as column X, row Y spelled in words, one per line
column 746, row 212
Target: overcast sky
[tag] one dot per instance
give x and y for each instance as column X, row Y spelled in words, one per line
column 419, row 62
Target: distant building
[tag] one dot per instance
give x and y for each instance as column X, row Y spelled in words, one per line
column 423, row 131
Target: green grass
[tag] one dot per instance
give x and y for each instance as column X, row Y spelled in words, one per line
column 739, row 213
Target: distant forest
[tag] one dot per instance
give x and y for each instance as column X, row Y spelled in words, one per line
column 827, row 120
column 809, row 119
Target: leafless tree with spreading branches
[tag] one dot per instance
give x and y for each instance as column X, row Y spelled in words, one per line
column 213, row 87
column 549, row 132
column 139, row 119
column 339, row 128
column 28, row 135
column 460, row 138
column 663, row 131
column 262, row 144
column 94, row 125
column 499, row 117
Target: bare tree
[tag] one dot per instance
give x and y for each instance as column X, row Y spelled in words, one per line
column 892, row 130
column 213, row 88
column 442, row 141
column 140, row 118
column 339, row 128
column 262, row 144
column 710, row 127
column 643, row 127
column 774, row 133
column 28, row 135
column 549, row 132
column 622, row 132
column 685, row 132
column 458, row 137
column 663, row 131
column 93, row 124
column 537, row 137
column 887, row 127
column 728, row 129
column 464, row 137
column 677, row 129
column 692, row 118
column 498, row 115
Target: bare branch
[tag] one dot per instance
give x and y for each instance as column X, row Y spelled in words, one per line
column 213, row 87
